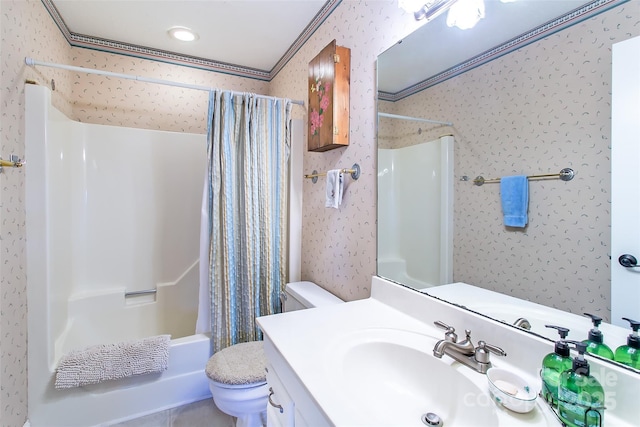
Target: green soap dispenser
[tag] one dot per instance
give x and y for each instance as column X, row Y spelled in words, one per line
column 630, row 354
column 580, row 396
column 553, row 365
column 595, row 344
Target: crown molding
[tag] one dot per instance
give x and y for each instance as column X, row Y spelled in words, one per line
column 116, row 47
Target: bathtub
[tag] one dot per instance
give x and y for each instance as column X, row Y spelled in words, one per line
column 112, row 219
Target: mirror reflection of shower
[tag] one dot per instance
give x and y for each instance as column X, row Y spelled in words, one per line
column 419, row 176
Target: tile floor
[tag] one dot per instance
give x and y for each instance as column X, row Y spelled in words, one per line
column 199, row 414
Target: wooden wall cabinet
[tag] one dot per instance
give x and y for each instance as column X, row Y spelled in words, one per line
column 329, row 75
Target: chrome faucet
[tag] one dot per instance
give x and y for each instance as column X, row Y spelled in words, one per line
column 465, row 352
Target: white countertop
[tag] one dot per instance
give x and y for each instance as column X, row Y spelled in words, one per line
column 310, row 339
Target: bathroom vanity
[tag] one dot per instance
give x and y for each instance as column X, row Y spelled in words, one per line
column 370, row 362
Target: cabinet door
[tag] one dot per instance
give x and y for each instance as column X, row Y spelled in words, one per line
column 329, row 76
column 280, row 408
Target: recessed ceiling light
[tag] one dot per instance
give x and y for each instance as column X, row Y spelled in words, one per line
column 183, row 34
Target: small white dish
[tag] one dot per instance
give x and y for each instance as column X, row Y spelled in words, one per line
column 511, row 391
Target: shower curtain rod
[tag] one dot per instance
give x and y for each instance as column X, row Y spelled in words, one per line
column 33, row 62
column 416, row 119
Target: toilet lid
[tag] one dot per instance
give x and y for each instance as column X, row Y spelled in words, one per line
column 243, row 363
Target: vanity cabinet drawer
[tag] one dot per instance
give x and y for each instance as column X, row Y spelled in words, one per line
column 280, row 407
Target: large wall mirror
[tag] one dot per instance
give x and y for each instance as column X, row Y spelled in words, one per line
column 527, row 91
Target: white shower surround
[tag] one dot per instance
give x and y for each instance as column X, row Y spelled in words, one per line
column 420, row 176
column 110, row 210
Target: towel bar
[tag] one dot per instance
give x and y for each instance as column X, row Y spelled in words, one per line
column 565, row 174
column 354, row 172
column 14, row 162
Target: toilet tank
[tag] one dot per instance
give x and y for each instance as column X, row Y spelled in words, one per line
column 301, row 295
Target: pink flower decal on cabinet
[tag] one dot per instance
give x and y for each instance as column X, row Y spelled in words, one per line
column 322, row 91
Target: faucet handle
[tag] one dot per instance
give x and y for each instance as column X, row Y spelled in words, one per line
column 440, row 324
column 450, row 335
column 483, row 349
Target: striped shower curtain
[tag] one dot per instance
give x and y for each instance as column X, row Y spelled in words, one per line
column 248, row 149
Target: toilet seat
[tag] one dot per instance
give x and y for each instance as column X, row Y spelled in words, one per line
column 238, row 382
column 240, row 364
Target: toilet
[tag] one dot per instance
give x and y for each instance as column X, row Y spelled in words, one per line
column 237, row 377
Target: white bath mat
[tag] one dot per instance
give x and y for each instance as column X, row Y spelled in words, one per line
column 106, row 362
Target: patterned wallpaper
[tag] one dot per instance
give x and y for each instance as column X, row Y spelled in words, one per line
column 339, row 246
column 535, row 111
column 106, row 100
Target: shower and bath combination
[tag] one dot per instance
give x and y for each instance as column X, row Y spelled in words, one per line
column 112, row 257
column 103, row 228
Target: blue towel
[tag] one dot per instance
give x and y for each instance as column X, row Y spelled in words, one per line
column 514, row 193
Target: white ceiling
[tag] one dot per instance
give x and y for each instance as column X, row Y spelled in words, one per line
column 247, row 33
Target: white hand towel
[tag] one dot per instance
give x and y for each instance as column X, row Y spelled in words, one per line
column 335, row 188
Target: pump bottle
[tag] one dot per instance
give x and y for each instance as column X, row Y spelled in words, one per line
column 595, row 342
column 630, row 354
column 553, row 365
column 580, row 396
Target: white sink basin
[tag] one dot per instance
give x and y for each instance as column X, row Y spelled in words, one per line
column 390, row 377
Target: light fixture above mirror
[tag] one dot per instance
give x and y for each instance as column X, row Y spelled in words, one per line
column 463, row 14
column 433, row 9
